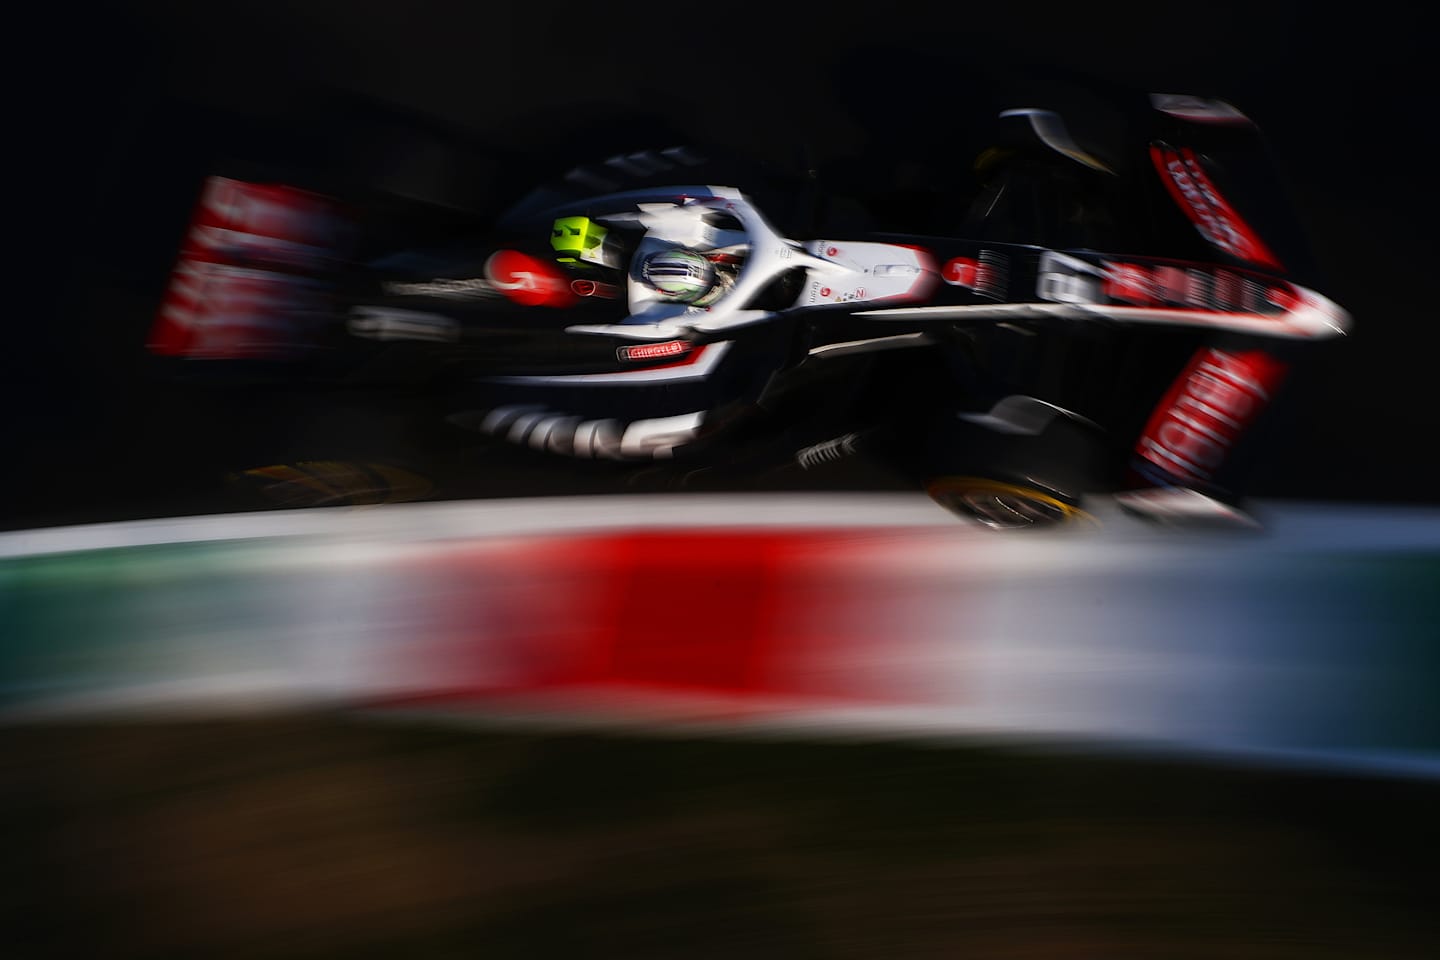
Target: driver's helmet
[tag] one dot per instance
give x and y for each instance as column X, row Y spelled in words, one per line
column 679, row 275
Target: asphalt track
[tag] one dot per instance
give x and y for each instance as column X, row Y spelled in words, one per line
column 319, row 835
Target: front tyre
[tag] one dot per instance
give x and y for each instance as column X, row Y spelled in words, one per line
column 1005, row 506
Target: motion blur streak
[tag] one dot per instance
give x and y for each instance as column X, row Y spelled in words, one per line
column 1314, row 641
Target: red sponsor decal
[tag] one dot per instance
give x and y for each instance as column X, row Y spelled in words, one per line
column 1226, row 294
column 685, row 360
column 528, row 280
column 233, row 293
column 961, row 272
column 832, row 251
column 1171, row 284
column 1282, row 297
column 655, row 351
column 271, row 223
column 1218, row 222
column 1216, row 397
column 824, row 291
column 218, row 311
column 1129, row 283
column 1198, row 288
column 859, row 293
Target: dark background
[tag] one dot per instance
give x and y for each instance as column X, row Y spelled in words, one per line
column 127, row 105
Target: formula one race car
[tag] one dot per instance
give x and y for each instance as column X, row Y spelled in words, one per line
column 1075, row 313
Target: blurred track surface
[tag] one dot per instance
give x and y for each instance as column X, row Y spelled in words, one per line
column 1314, row 642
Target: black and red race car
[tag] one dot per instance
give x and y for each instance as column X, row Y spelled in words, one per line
column 1078, row 310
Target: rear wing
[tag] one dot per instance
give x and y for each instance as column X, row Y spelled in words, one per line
column 253, row 275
